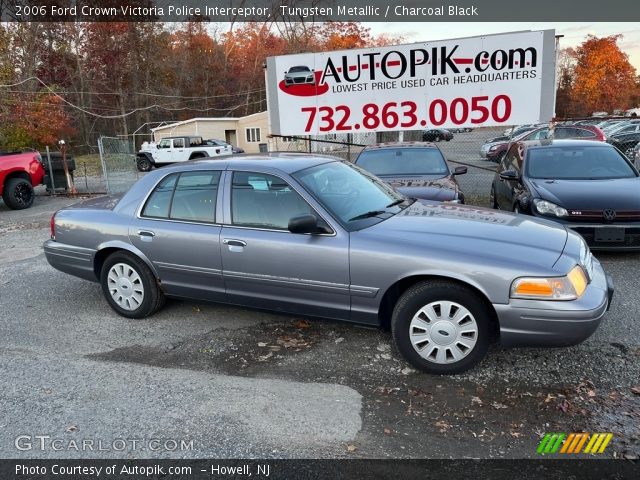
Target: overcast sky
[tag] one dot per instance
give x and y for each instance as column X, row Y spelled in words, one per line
column 574, row 33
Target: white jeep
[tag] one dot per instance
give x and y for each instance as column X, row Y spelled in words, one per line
column 177, row 149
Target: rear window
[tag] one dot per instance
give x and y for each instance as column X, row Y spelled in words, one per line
column 403, row 161
column 577, row 163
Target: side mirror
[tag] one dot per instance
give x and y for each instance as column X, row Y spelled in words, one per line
column 460, row 170
column 305, row 224
column 509, row 175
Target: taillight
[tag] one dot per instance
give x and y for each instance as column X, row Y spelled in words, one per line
column 52, row 226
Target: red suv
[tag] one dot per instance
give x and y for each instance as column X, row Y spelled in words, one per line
column 19, row 173
column 581, row 132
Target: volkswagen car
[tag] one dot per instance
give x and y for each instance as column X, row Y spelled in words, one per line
column 590, row 187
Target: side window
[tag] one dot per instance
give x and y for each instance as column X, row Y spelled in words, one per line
column 539, row 135
column 264, row 201
column 509, row 162
column 178, row 143
column 159, row 201
column 253, row 135
column 582, row 133
column 166, row 143
column 195, row 141
column 189, row 196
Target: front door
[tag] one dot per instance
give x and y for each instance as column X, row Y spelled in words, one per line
column 266, row 266
column 177, row 231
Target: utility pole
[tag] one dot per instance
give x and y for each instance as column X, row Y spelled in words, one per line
column 63, row 148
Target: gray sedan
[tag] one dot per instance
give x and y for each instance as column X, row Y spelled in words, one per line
column 314, row 236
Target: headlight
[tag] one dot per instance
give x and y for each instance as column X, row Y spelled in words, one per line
column 495, row 147
column 547, row 208
column 569, row 287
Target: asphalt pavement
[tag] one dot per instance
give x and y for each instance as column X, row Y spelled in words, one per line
column 200, row 380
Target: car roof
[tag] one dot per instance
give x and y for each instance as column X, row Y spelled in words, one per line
column 550, row 142
column 388, row 145
column 287, row 162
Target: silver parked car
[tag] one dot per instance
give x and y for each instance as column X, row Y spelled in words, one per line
column 314, row 236
column 297, row 75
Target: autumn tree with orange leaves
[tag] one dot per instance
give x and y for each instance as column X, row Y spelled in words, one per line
column 596, row 76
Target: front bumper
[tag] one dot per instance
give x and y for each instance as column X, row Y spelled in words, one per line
column 528, row 323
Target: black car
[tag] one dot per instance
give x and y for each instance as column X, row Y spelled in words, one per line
column 625, row 142
column 436, row 134
column 415, row 169
column 590, row 187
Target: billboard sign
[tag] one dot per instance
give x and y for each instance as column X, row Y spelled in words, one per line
column 502, row 79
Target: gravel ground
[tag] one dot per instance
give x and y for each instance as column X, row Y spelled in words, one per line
column 240, row 383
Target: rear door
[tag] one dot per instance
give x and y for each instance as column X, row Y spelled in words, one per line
column 179, row 153
column 178, row 229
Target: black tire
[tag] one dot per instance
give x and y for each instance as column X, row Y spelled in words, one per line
column 437, row 138
column 493, row 201
column 144, row 164
column 153, row 298
column 432, row 292
column 18, row 193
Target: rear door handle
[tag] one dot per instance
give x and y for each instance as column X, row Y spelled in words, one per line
column 146, row 235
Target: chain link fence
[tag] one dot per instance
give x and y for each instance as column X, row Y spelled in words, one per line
column 118, row 160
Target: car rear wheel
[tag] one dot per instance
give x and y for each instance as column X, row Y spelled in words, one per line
column 129, row 286
column 629, row 151
column 18, row 193
column 437, row 138
column 441, row 327
column 143, row 164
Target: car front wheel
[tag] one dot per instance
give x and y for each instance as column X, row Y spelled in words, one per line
column 441, row 327
column 143, row 164
column 129, row 286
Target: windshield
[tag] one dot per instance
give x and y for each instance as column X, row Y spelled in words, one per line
column 351, row 194
column 403, row 161
column 299, row 69
column 577, row 163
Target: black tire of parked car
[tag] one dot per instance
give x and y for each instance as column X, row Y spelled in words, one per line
column 153, row 299
column 143, row 164
column 18, row 193
column 492, row 197
column 422, row 294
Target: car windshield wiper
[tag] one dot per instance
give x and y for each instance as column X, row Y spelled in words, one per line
column 396, row 202
column 370, row 214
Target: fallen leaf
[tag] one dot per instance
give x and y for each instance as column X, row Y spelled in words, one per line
column 498, row 405
column 635, row 390
column 564, row 405
column 476, row 401
column 387, row 431
column 264, row 358
column 196, row 308
column 339, row 340
column 302, row 324
column 262, row 344
column 515, row 434
column 72, row 428
column 351, row 447
column 443, row 426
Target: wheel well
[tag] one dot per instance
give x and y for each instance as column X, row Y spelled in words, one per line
column 100, row 257
column 197, row 155
column 19, row 174
column 394, row 292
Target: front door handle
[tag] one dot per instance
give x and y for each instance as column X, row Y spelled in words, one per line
column 234, row 243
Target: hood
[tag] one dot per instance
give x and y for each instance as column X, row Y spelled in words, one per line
column 618, row 193
column 426, row 187
column 475, row 230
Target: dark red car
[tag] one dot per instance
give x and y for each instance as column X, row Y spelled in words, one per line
column 580, row 132
column 19, row 173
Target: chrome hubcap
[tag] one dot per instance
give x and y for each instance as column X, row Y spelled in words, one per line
column 125, row 286
column 443, row 332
